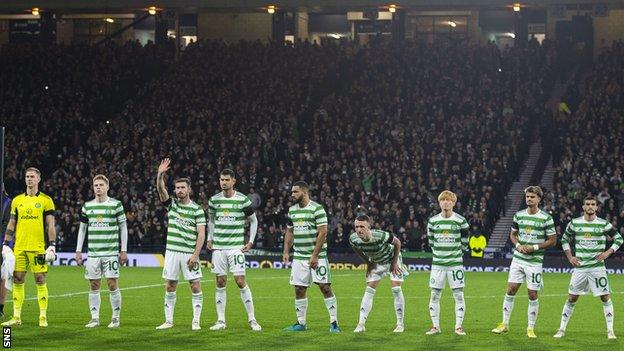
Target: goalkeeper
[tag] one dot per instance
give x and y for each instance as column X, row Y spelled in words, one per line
column 29, row 212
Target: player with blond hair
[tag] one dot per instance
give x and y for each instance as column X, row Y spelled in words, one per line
column 448, row 233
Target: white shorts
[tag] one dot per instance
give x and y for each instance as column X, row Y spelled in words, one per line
column 382, row 270
column 439, row 276
column 583, row 281
column 301, row 274
column 519, row 272
column 175, row 262
column 224, row 261
column 96, row 267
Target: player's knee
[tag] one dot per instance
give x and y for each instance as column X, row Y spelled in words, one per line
column 532, row 295
column 326, row 289
column 603, row 298
column 95, row 284
column 240, row 281
column 39, row 279
column 300, row 291
column 221, row 281
column 112, row 284
column 195, row 286
column 171, row 285
column 573, row 298
column 512, row 290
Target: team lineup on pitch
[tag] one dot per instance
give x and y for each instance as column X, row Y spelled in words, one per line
column 222, row 232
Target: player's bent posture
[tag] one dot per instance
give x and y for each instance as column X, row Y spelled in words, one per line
column 532, row 232
column 589, row 236
column 307, row 229
column 382, row 253
column 186, row 233
column 29, row 212
column 448, row 237
column 227, row 211
column 103, row 220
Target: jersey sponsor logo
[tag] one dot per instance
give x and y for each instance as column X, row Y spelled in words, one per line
column 29, row 214
column 184, row 221
column 226, row 217
column 301, row 226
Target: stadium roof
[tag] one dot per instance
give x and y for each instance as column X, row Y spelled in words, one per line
column 291, row 5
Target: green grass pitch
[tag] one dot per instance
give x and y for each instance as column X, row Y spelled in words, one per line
column 143, row 293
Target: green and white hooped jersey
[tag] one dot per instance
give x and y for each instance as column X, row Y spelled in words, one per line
column 183, row 220
column 590, row 240
column 103, row 220
column 378, row 249
column 532, row 229
column 446, row 240
column 305, row 222
column 229, row 215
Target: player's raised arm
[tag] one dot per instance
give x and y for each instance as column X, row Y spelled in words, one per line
column 160, row 179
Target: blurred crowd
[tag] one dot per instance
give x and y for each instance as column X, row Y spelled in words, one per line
column 588, row 156
column 377, row 129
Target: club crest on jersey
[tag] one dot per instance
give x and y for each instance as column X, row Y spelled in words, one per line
column 37, row 205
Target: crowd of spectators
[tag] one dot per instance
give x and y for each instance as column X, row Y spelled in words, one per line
column 588, row 156
column 378, row 129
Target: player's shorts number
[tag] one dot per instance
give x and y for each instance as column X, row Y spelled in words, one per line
column 536, row 278
column 321, row 270
column 458, row 275
column 240, row 259
column 113, row 265
column 601, row 282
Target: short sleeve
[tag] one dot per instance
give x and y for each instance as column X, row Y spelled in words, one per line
column 320, row 216
column 200, row 216
column 48, row 206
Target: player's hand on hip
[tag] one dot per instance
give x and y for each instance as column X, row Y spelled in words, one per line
column 247, row 247
column 521, row 249
column 575, row 261
column 285, row 259
column 123, row 257
column 313, row 261
column 192, row 261
column 79, row 258
column 209, row 245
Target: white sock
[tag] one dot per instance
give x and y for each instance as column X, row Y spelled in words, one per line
column 245, row 294
column 460, row 307
column 94, row 303
column 170, row 301
column 434, row 307
column 532, row 311
column 508, row 305
column 220, row 300
column 332, row 309
column 607, row 307
column 399, row 304
column 568, row 308
column 198, row 302
column 301, row 308
column 366, row 305
column 115, row 301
